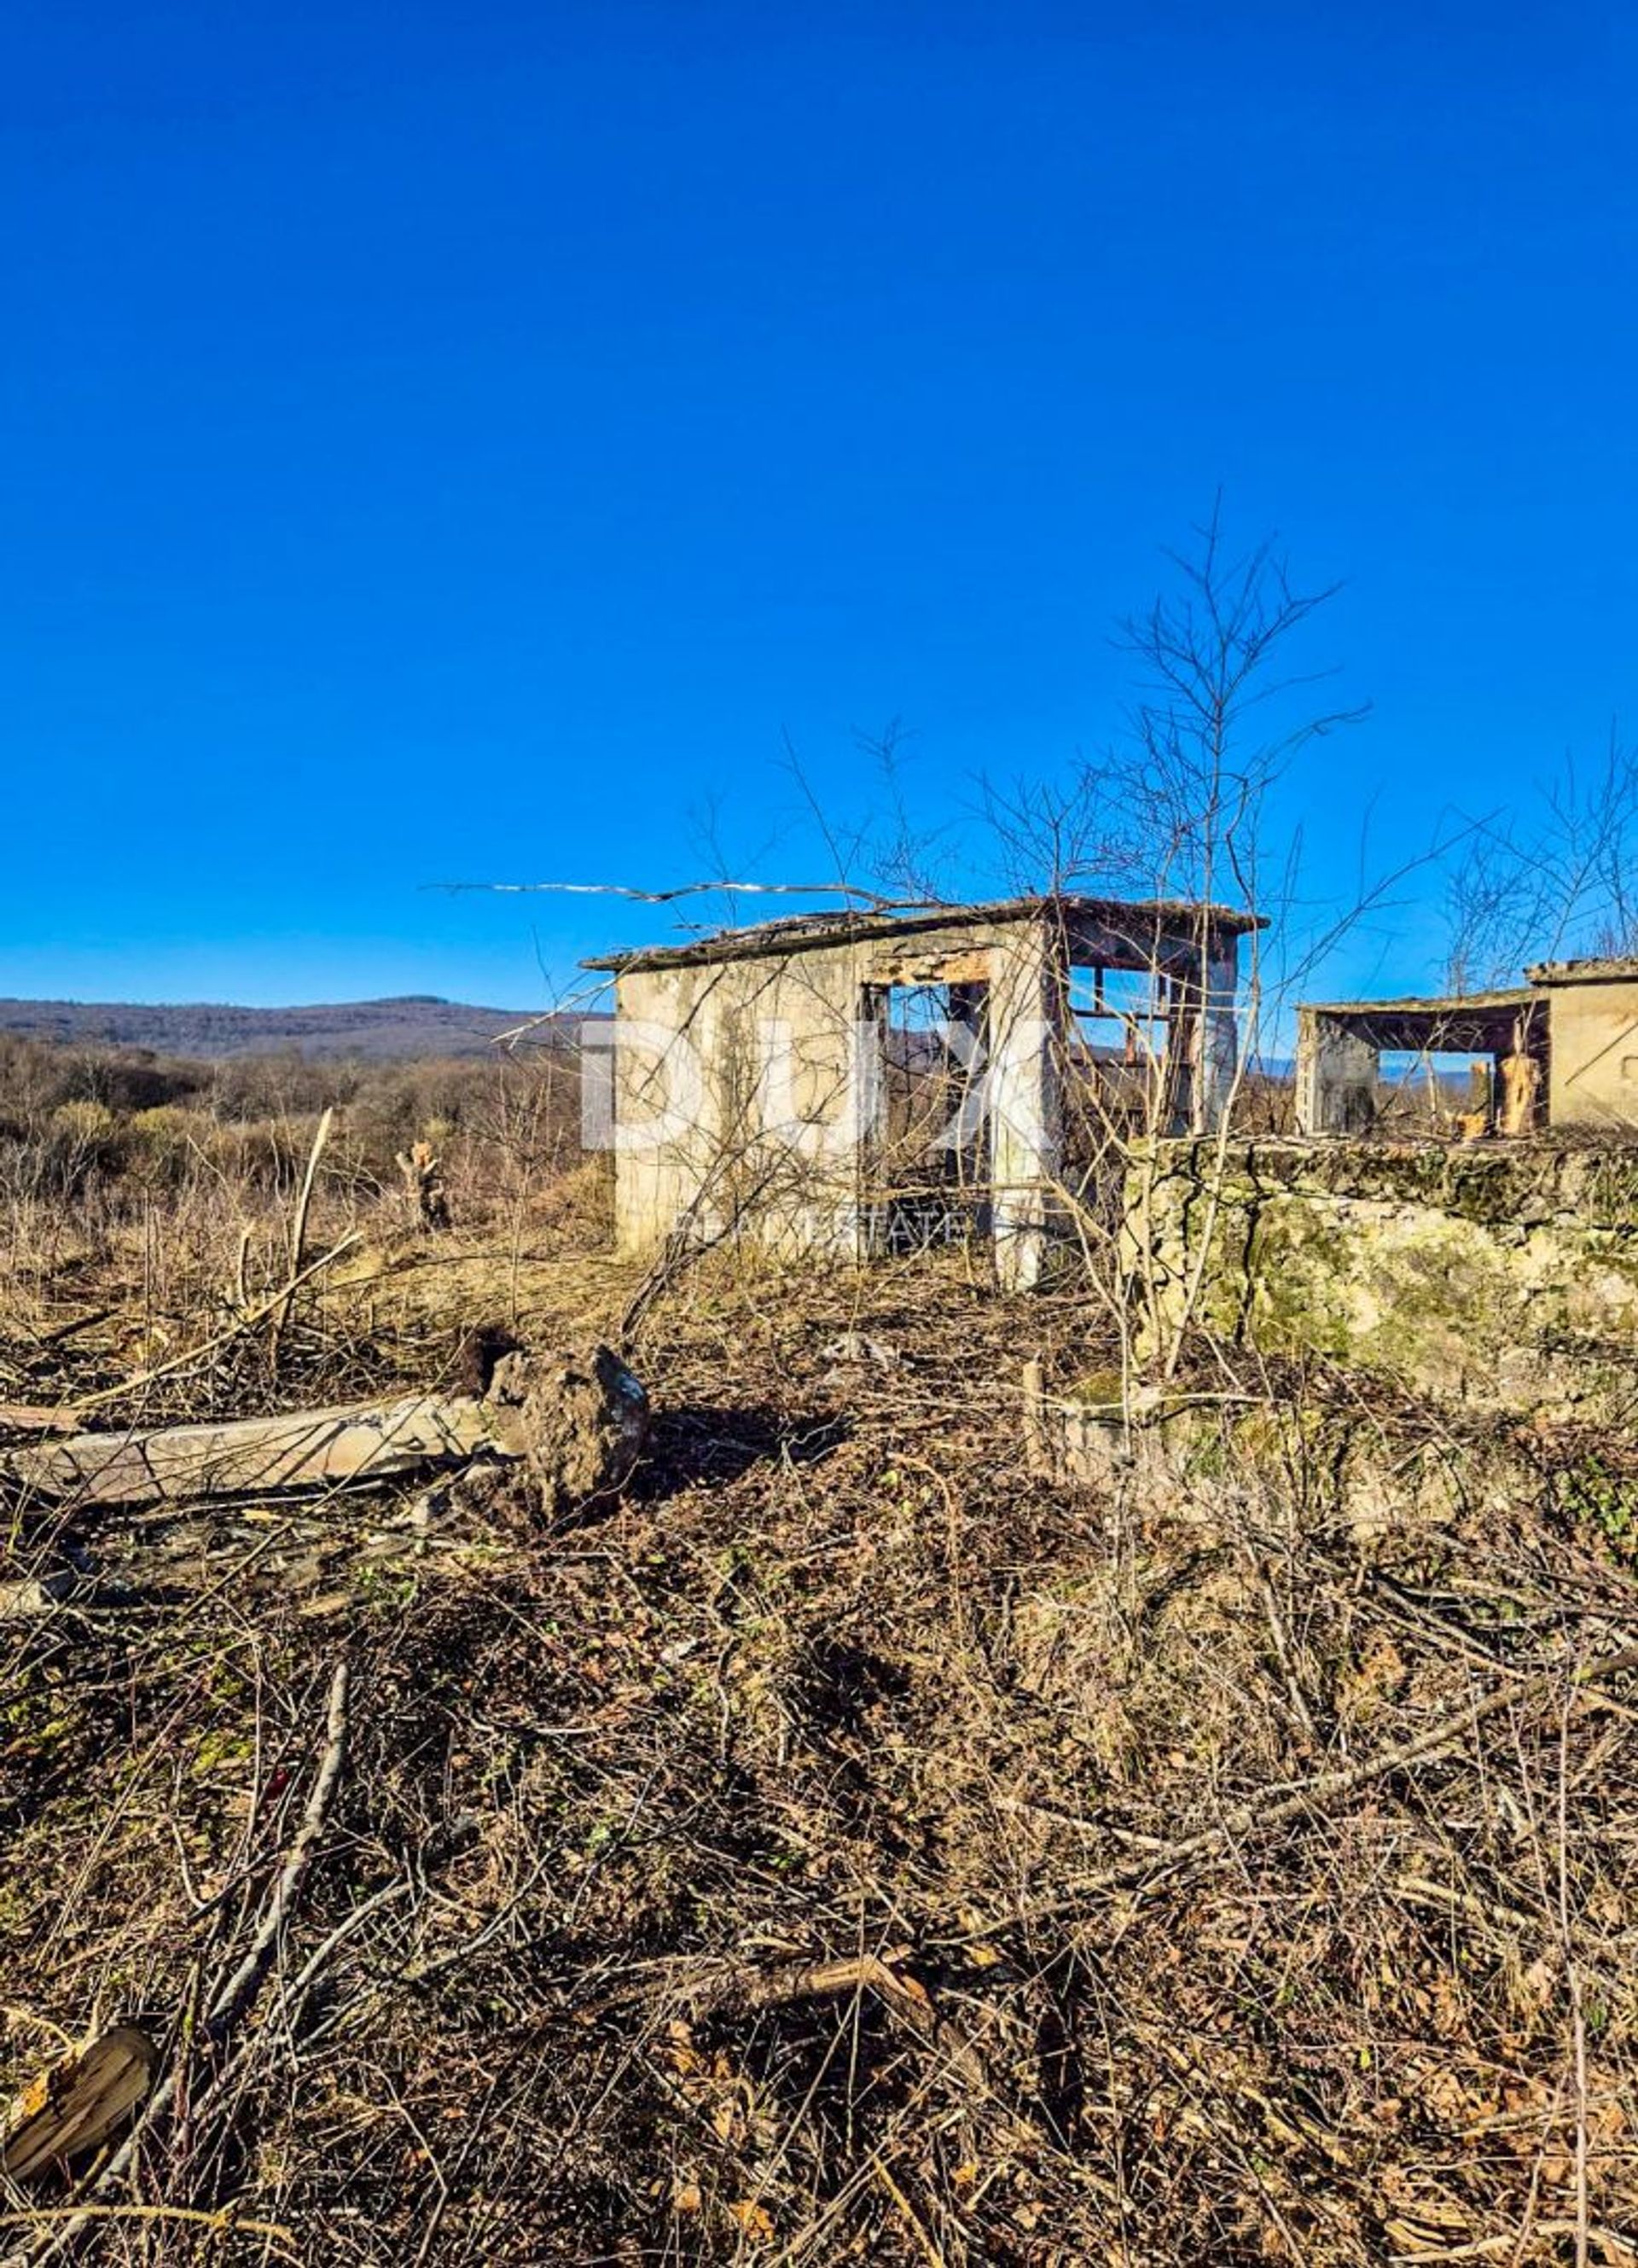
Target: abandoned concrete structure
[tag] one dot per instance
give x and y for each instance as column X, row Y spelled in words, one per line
column 1559, row 1051
column 856, row 1083
column 1340, row 1046
column 1592, row 1042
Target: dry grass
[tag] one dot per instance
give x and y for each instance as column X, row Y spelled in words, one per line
column 835, row 1682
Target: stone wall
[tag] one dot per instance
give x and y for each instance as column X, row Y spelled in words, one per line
column 1502, row 1277
column 1214, row 1460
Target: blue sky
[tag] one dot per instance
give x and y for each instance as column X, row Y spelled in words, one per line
column 474, row 444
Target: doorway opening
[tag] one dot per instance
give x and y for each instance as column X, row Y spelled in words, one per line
column 926, row 1147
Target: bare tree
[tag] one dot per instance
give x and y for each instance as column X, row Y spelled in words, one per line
column 1178, row 808
column 1553, row 879
column 1176, row 805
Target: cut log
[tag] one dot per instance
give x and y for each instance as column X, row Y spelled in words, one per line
column 313, row 1448
column 574, row 1425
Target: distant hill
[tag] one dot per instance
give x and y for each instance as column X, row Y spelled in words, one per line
column 418, row 1025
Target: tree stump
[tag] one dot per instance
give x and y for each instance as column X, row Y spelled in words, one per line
column 423, row 1177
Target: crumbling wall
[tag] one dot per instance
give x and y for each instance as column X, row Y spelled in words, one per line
column 733, row 1089
column 1502, row 1278
column 749, row 1094
column 1181, row 1456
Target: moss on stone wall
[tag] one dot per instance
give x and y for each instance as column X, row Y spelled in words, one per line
column 1505, row 1276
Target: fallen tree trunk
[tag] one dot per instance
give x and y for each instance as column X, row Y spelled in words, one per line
column 311, row 1448
column 571, row 1425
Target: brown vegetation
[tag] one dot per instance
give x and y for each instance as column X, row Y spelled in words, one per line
column 844, row 1845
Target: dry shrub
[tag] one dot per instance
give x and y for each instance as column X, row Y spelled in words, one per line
column 839, row 1679
column 577, row 1205
column 82, row 1139
column 162, row 1145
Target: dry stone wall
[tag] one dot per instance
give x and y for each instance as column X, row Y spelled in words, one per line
column 1502, row 1277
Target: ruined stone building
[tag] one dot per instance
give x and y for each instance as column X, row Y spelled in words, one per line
column 857, row 1082
column 1559, row 1051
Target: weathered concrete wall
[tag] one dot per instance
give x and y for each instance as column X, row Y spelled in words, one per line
column 1504, row 1278
column 1025, row 1105
column 749, row 1092
column 1594, row 1036
column 1336, row 1077
column 713, row 1116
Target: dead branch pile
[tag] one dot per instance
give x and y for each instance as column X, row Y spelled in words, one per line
column 846, row 1846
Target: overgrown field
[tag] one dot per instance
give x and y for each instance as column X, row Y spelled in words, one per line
column 844, row 1845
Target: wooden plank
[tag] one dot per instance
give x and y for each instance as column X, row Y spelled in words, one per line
column 306, row 1450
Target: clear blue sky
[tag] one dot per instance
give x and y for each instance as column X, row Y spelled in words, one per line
column 464, row 442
